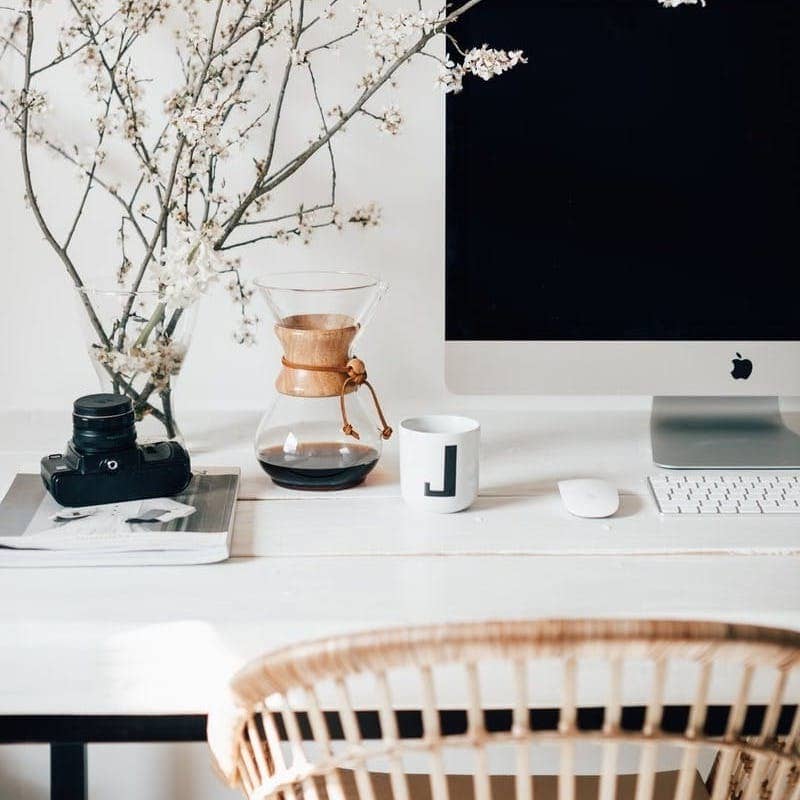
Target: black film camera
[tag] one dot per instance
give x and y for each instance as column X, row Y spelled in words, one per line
column 103, row 463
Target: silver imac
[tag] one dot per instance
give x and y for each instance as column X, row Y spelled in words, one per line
column 623, row 217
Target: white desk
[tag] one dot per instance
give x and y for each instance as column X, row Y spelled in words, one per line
column 163, row 640
column 143, row 653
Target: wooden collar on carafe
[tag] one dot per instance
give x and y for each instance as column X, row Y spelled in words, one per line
column 355, row 372
column 319, row 345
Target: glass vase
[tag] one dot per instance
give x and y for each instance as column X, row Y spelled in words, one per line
column 137, row 346
column 325, row 428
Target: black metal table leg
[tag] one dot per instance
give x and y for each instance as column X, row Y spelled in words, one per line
column 68, row 773
column 68, row 735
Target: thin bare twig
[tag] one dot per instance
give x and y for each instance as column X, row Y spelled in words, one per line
column 290, row 215
column 290, row 232
column 26, row 172
column 324, row 122
column 8, row 43
column 60, row 59
column 327, row 45
column 273, row 137
column 92, row 170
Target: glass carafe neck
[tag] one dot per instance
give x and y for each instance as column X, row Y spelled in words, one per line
column 298, row 296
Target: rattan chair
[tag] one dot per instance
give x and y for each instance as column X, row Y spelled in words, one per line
column 283, row 736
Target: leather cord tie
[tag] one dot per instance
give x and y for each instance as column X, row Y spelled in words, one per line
column 355, row 372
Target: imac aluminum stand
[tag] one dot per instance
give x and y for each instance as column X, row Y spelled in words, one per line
column 722, row 433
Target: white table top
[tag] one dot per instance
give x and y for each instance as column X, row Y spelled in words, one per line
column 163, row 640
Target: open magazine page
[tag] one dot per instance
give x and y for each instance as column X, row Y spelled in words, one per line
column 200, row 518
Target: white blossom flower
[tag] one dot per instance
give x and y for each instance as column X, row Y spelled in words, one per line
column 188, row 266
column 367, row 216
column 159, row 360
column 123, row 270
column 367, row 81
column 33, row 100
column 305, row 227
column 239, row 292
column 243, row 334
column 361, row 9
column 90, row 156
column 391, row 120
column 486, row 62
column 451, row 77
column 199, row 125
column 390, row 35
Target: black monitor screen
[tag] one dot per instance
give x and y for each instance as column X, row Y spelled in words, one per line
column 638, row 179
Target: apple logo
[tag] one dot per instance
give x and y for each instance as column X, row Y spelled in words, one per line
column 742, row 368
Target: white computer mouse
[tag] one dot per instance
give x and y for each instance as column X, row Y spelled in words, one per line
column 589, row 497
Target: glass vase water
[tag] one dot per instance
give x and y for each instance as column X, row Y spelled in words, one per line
column 138, row 347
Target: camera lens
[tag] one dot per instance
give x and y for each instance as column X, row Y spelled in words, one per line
column 103, row 422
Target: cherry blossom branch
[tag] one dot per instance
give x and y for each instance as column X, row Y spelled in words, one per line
column 268, row 14
column 8, row 43
column 290, row 215
column 332, row 42
column 165, row 203
column 324, row 122
column 273, row 137
column 265, row 183
column 279, row 235
column 127, row 206
column 24, row 122
column 62, row 57
column 92, row 170
column 31, row 194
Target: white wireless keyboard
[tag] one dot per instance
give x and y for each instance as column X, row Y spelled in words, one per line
column 727, row 493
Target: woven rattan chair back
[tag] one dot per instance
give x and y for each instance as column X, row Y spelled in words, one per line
column 292, row 729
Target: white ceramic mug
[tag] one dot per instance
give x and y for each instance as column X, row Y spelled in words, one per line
column 439, row 457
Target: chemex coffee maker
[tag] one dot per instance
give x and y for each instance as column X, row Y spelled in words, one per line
column 325, row 428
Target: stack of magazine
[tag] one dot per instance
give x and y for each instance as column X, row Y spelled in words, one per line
column 195, row 527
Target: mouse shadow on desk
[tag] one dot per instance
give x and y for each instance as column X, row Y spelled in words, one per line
column 630, row 505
